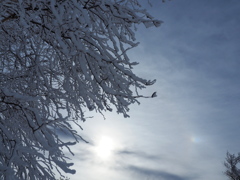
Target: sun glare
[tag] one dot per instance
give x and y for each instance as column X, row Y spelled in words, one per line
column 104, row 148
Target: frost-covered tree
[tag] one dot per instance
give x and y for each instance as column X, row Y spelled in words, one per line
column 59, row 58
column 232, row 171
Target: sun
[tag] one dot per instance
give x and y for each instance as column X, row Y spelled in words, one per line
column 104, row 148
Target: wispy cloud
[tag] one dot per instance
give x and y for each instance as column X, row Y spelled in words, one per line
column 146, row 173
column 138, row 154
column 133, row 162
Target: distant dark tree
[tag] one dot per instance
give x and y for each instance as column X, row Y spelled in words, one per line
column 231, row 162
column 59, row 59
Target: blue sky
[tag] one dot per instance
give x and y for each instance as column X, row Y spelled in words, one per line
column 185, row 132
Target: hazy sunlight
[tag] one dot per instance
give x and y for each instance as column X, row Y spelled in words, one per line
column 104, row 148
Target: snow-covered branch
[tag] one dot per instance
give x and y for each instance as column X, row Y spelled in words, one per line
column 58, row 58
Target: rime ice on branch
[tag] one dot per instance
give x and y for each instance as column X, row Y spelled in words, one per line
column 57, row 58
